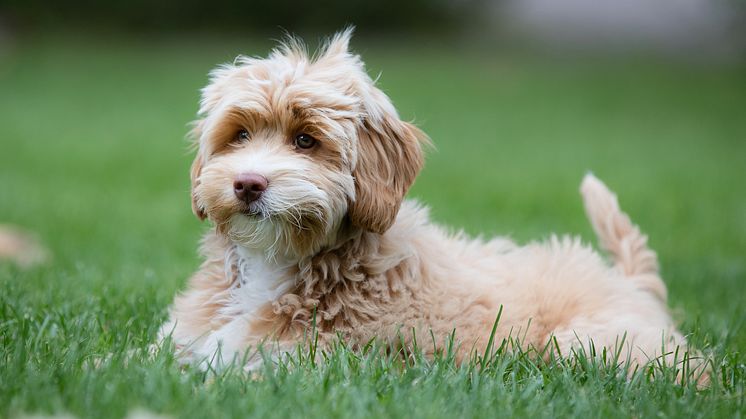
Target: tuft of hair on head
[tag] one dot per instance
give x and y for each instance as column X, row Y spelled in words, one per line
column 291, row 47
column 339, row 43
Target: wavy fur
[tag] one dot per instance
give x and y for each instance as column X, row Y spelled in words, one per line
column 332, row 236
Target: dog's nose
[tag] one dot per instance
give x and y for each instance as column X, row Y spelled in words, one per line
column 248, row 187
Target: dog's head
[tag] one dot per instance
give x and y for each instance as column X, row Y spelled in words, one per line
column 292, row 147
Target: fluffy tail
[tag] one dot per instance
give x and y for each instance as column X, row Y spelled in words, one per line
column 616, row 233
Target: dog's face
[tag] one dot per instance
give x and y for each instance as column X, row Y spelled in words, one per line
column 292, row 148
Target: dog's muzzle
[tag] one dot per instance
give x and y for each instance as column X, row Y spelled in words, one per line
column 248, row 187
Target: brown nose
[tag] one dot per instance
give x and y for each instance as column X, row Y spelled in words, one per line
column 248, row 187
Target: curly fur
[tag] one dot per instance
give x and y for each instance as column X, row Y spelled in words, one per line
column 333, row 242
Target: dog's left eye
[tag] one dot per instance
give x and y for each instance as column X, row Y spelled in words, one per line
column 242, row 135
column 304, row 141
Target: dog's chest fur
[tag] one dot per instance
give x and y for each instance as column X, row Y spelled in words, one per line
column 258, row 281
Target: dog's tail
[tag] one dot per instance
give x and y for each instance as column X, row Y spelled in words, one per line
column 616, row 233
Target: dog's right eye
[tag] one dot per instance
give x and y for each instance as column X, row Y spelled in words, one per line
column 242, row 135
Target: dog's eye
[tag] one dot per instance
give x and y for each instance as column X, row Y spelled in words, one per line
column 304, row 141
column 242, row 135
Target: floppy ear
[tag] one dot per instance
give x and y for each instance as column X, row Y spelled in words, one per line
column 389, row 158
column 196, row 169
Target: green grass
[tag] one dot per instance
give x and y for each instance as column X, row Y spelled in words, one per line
column 92, row 158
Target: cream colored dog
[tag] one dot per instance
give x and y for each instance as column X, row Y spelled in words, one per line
column 302, row 167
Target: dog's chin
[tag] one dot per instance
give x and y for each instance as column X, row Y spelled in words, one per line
column 279, row 235
column 253, row 230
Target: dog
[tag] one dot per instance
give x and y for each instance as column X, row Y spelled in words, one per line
column 302, row 165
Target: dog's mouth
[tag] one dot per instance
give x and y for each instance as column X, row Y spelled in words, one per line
column 252, row 211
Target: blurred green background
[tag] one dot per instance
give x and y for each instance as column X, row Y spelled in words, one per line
column 95, row 102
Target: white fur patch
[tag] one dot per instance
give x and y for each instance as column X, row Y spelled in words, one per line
column 259, row 282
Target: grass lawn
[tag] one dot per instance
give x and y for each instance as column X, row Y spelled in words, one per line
column 92, row 159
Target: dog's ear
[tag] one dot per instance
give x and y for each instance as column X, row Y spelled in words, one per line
column 196, row 169
column 389, row 151
column 389, row 158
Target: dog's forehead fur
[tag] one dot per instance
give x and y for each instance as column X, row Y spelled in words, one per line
column 292, row 90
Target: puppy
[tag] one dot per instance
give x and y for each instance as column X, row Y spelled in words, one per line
column 302, row 166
